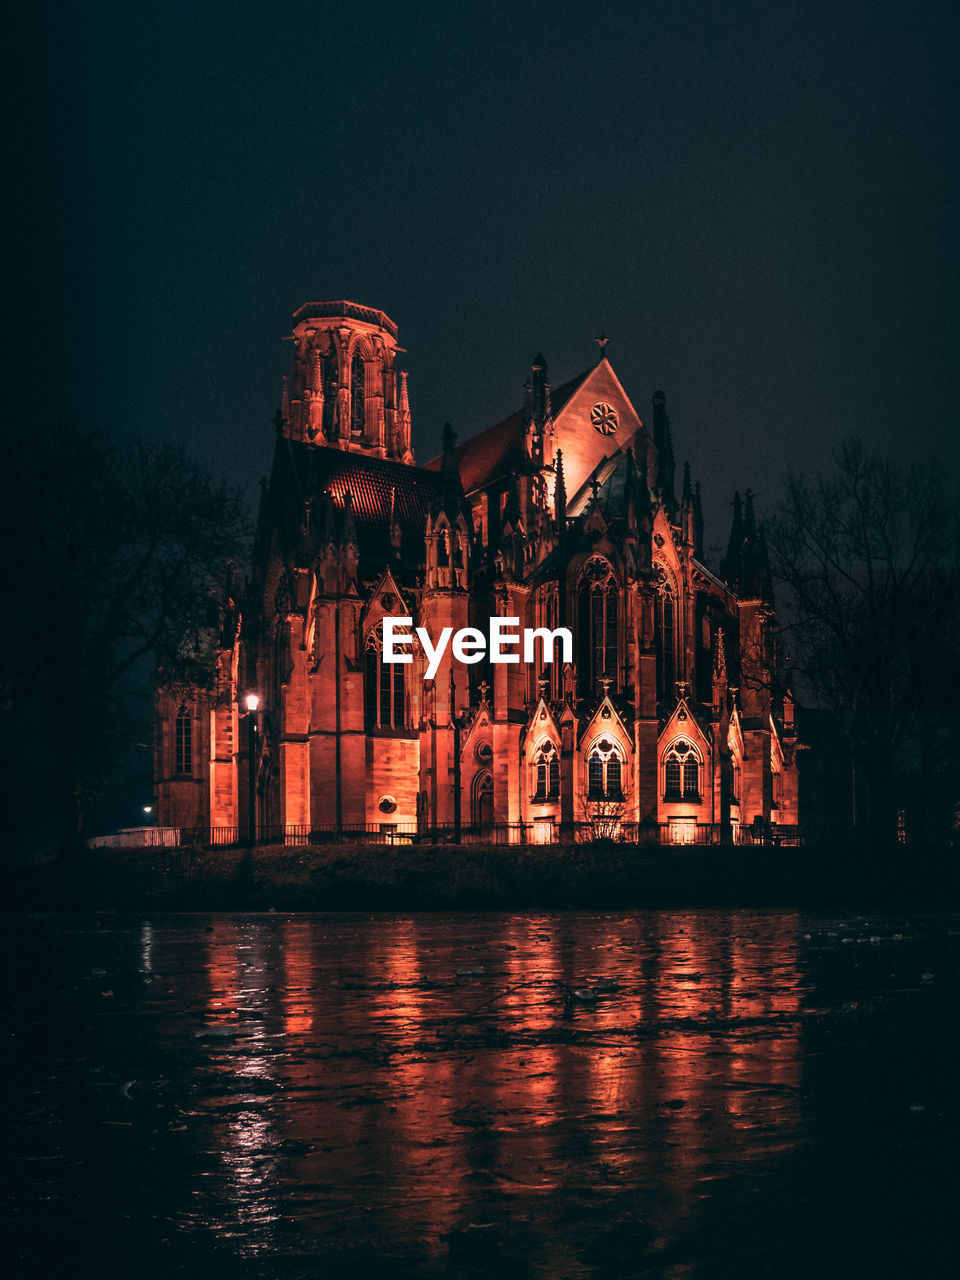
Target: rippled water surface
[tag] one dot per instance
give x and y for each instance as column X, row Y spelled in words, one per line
column 670, row 1094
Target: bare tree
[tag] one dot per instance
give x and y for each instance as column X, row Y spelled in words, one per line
column 601, row 818
column 867, row 562
column 112, row 550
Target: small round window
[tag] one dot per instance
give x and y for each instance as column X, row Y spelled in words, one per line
column 387, row 804
column 484, row 751
column 604, row 418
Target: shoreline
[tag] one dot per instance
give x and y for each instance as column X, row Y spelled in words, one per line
column 483, row 878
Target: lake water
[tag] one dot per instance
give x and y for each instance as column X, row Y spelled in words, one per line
column 675, row 1094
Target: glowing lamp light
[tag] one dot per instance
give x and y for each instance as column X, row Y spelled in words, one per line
column 252, row 701
column 148, row 808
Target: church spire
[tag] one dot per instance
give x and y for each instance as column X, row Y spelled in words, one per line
column 746, row 566
column 560, row 495
column 662, row 438
column 644, row 510
column 540, row 390
column 537, row 413
column 636, row 495
column 749, row 518
column 735, row 543
column 687, row 511
column 403, row 417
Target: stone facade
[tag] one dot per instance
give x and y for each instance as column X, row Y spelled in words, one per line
column 668, row 721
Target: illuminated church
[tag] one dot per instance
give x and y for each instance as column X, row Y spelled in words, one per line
column 668, row 724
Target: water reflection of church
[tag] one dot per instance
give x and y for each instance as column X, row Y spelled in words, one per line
column 565, row 514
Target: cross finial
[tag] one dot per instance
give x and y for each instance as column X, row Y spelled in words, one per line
column 605, row 683
column 544, row 682
column 484, row 690
column 601, row 342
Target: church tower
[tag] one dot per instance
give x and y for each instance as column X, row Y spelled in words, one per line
column 345, row 391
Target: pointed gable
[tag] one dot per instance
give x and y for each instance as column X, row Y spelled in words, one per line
column 387, row 601
column 499, row 450
column 607, row 720
column 542, row 724
column 479, row 729
column 684, row 724
column 596, row 421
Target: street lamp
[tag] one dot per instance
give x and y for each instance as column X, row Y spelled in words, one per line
column 252, row 702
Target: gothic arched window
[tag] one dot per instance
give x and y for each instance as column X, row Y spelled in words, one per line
column 544, row 614
column 681, row 772
column 357, row 396
column 598, row 631
column 605, row 771
column 666, row 631
column 384, row 689
column 546, row 772
column 330, row 395
column 183, row 742
column 483, row 800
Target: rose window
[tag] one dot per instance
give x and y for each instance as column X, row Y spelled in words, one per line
column 604, row 418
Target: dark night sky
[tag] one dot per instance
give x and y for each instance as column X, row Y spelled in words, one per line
column 758, row 201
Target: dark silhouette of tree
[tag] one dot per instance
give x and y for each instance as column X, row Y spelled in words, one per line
column 867, row 563
column 112, row 552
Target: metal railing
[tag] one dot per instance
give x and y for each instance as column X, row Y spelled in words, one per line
column 541, row 831
column 772, row 833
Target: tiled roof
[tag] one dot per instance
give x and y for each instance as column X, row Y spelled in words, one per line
column 352, row 310
column 313, row 472
column 499, row 449
column 493, row 452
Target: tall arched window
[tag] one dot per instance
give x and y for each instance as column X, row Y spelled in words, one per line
column 681, row 772
column 666, row 630
column 546, row 772
column 330, row 395
column 483, row 800
column 598, row 629
column 605, row 771
column 544, row 614
column 357, row 396
column 384, row 689
column 183, row 742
